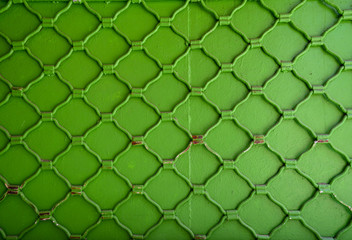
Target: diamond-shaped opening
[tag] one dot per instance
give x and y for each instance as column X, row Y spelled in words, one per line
column 77, row 22
column 168, row 140
column 107, row 189
column 76, row 214
column 286, row 90
column 340, row 88
column 47, row 9
column 291, row 41
column 47, row 184
column 228, row 139
column 79, row 69
column 257, row 114
column 339, row 136
column 41, row 230
column 322, row 163
column 4, row 90
column 166, row 92
column 223, row 7
column 167, row 227
column 345, row 234
column 25, row 24
column 173, row 187
column 255, row 67
column 324, row 67
column 48, row 93
column 16, row 115
column 341, row 187
column 107, row 93
column 136, row 116
column 291, row 189
column 342, row 4
column 27, row 69
column 224, row 43
column 107, row 140
column 166, row 45
column 108, row 229
column 47, row 140
column 326, row 215
column 290, row 139
column 4, row 140
column 338, row 40
column 48, row 46
column 76, row 116
column 314, row 17
column 226, row 91
column 203, row 68
column 17, row 164
column 137, row 160
column 295, row 229
column 199, row 214
column 138, row 69
column 197, row 164
column 194, row 21
column 5, row 47
column 228, row 189
column 234, row 229
column 261, row 19
column 165, row 9
column 135, row 210
column 22, row 215
column 107, row 9
column 268, row 214
column 319, row 114
column 3, row 4
column 196, row 115
column 136, row 22
column 259, row 164
column 77, row 165
column 107, row 45
column 282, row 6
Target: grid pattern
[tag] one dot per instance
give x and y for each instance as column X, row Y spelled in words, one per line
column 195, row 119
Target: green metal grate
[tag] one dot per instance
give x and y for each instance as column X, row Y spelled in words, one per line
column 201, row 119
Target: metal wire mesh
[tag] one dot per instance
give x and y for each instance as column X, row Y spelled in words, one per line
column 196, row 119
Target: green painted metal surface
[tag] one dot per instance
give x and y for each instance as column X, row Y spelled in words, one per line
column 211, row 119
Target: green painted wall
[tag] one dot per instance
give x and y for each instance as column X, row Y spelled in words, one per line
column 211, row 119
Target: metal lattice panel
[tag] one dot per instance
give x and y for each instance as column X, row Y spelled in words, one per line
column 201, row 119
